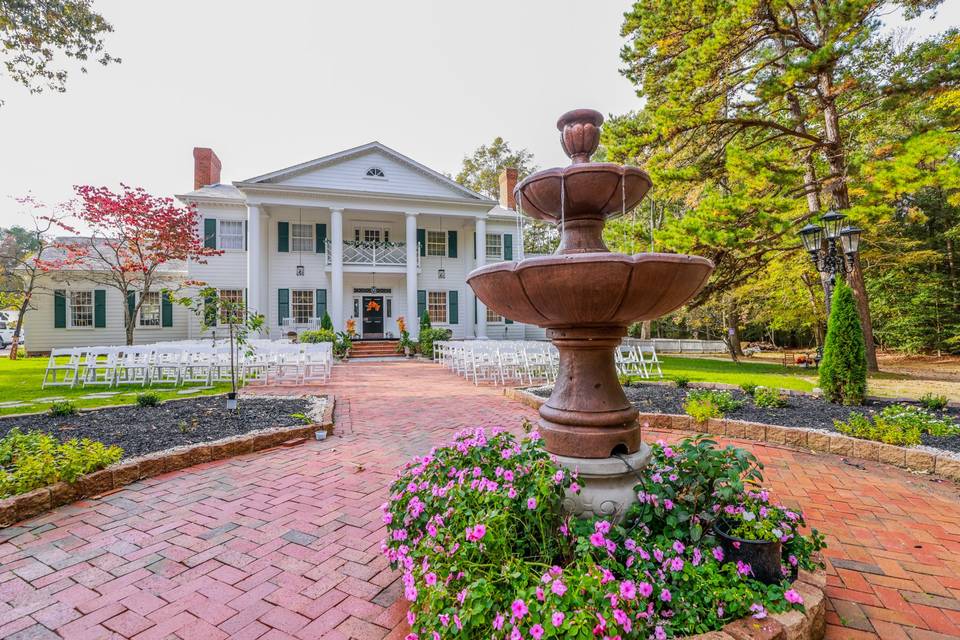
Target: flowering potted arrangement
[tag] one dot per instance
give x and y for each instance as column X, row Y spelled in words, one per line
column 486, row 550
column 754, row 532
column 406, row 344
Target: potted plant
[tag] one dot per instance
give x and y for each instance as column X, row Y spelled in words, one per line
column 753, row 534
column 406, row 344
column 213, row 310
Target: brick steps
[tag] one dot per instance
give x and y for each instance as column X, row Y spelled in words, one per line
column 374, row 349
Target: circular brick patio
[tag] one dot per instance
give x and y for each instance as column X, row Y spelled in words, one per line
column 285, row 543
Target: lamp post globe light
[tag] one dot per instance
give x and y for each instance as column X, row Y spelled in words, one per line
column 833, row 248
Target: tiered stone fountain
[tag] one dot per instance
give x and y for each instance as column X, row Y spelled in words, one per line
column 586, row 296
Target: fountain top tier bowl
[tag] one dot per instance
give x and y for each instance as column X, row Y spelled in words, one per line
column 584, row 294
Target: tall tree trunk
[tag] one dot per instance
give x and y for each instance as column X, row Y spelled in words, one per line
column 733, row 327
column 17, row 332
column 952, row 272
column 840, row 196
column 645, row 330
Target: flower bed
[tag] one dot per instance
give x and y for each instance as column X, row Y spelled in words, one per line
column 486, row 550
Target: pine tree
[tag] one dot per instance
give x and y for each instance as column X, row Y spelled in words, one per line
column 843, row 370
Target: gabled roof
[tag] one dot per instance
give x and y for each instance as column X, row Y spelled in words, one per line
column 282, row 174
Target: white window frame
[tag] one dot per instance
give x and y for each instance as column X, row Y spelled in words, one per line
column 375, row 173
column 445, row 306
column 305, row 241
column 493, row 317
column 433, row 243
column 70, row 314
column 221, row 321
column 312, row 310
column 144, row 306
column 499, row 254
column 237, row 238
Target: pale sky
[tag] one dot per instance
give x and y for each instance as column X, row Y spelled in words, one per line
column 272, row 84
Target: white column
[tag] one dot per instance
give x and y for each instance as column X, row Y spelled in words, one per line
column 413, row 318
column 254, row 257
column 336, row 268
column 481, row 248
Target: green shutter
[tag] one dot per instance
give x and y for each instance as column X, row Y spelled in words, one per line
column 474, row 245
column 210, row 233
column 245, row 247
column 166, row 310
column 100, row 308
column 474, row 307
column 507, row 246
column 421, row 302
column 321, row 238
column 451, row 244
column 283, row 237
column 453, row 308
column 422, row 241
column 131, row 302
column 507, row 321
column 283, row 305
column 210, row 310
column 59, row 309
column 321, row 302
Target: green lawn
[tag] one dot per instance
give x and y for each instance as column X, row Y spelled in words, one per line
column 728, row 372
column 20, row 381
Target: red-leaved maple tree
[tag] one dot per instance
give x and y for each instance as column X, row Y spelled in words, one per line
column 134, row 235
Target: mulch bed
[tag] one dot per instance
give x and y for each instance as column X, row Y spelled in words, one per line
column 142, row 430
column 803, row 411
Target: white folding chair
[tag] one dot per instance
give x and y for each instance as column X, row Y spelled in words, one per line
column 68, row 371
column 133, row 366
column 100, row 366
column 165, row 365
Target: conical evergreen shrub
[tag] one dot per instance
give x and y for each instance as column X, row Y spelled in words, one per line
column 326, row 322
column 843, row 370
column 425, row 321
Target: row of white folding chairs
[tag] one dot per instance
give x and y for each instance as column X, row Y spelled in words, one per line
column 499, row 361
column 633, row 361
column 187, row 362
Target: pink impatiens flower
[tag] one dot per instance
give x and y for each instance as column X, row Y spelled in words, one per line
column 536, row 631
column 558, row 587
column 628, row 590
column 793, row 597
column 531, row 503
column 519, row 608
column 645, row 589
column 665, row 595
column 557, row 618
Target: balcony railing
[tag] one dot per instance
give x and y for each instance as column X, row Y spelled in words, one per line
column 374, row 254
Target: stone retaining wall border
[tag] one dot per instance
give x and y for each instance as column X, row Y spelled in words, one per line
column 26, row 505
column 913, row 459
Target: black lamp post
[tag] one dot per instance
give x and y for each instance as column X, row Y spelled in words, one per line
column 835, row 256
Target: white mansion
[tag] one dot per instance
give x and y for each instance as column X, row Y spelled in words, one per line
column 365, row 233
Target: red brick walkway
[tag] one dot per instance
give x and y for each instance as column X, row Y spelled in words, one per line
column 285, row 543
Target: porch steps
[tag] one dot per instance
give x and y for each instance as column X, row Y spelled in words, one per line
column 374, row 348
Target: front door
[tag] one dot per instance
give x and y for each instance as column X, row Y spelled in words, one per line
column 372, row 316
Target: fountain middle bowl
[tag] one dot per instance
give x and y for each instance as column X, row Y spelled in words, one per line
column 599, row 190
column 590, row 289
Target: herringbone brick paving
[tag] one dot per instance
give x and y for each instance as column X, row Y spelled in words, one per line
column 285, row 543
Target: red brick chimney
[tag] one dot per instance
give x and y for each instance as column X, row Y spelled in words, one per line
column 206, row 167
column 508, row 180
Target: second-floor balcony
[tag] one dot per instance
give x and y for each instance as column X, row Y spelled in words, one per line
column 373, row 254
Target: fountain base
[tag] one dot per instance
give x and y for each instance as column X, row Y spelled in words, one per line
column 607, row 484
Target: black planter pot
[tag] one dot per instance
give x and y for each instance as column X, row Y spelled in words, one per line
column 763, row 556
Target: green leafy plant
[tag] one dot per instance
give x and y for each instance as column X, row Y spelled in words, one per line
column 302, row 417
column 897, row 424
column 749, row 388
column 932, row 402
column 62, row 408
column 682, row 382
column 843, row 369
column 341, row 340
column 429, row 336
column 425, row 320
column 188, row 427
column 769, row 398
column 702, row 409
column 148, row 399
column 35, row 459
column 723, row 400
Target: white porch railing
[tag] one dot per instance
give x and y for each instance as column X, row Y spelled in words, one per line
column 391, row 254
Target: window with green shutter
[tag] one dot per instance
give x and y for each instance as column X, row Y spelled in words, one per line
column 421, row 302
column 210, row 233
column 507, row 246
column 59, row 309
column 422, row 241
column 283, row 305
column 99, row 308
column 321, row 301
column 451, row 244
column 166, row 310
column 283, row 237
column 321, row 238
column 131, row 304
column 453, row 308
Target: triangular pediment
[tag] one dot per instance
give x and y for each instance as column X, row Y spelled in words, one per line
column 371, row 168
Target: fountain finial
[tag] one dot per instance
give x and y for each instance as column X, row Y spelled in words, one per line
column 580, row 133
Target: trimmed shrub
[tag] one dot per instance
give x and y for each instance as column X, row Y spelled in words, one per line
column 769, row 398
column 843, row 370
column 932, row 402
column 722, row 399
column 425, row 321
column 682, row 382
column 325, row 322
column 63, row 408
column 429, row 336
column 320, row 335
column 148, row 399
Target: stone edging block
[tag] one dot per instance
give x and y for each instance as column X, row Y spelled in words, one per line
column 26, row 505
column 917, row 460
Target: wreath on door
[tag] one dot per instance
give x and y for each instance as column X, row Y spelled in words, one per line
column 373, row 306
